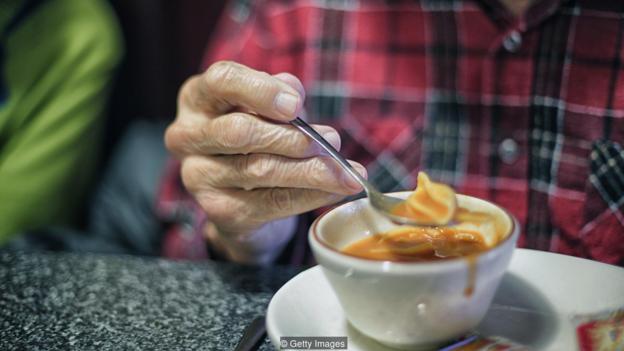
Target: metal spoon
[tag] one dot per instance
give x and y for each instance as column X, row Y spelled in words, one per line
column 253, row 335
column 381, row 202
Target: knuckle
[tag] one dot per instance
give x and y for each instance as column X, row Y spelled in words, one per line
column 260, row 83
column 246, row 214
column 240, row 166
column 201, row 174
column 191, row 174
column 186, row 173
column 182, row 140
column 280, row 139
column 259, row 166
column 233, row 80
column 193, row 94
column 186, row 89
column 217, row 206
column 203, row 138
column 194, row 142
column 316, row 172
column 222, row 73
column 172, row 138
column 237, row 134
column 298, row 146
column 280, row 199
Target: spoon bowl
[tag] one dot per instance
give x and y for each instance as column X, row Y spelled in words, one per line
column 383, row 203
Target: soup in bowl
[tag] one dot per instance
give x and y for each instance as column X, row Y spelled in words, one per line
column 414, row 288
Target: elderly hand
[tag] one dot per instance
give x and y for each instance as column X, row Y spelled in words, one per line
column 244, row 164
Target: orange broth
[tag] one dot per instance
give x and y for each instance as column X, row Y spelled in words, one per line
column 432, row 203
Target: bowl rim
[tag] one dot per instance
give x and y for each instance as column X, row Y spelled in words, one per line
column 368, row 264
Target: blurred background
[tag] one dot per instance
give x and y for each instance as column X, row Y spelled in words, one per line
column 164, row 43
column 57, row 183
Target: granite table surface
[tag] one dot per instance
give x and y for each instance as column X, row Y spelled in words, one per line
column 68, row 301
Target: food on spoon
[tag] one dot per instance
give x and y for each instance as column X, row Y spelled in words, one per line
column 431, row 203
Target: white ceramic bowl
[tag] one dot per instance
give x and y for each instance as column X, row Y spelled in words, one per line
column 408, row 305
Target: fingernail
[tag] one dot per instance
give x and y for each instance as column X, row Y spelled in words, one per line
column 350, row 182
column 333, row 138
column 287, row 104
column 361, row 170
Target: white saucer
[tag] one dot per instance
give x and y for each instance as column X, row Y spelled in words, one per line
column 533, row 305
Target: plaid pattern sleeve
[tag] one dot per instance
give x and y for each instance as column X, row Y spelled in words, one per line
column 525, row 112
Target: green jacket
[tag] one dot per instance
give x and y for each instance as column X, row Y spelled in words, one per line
column 57, row 69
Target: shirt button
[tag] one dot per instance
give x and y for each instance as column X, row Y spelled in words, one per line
column 513, row 41
column 508, row 151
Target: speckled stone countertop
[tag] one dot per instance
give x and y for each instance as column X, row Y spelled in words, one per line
column 60, row 301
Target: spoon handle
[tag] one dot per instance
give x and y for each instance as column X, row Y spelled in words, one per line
column 252, row 336
column 309, row 131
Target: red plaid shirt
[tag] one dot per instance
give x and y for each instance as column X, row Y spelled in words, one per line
column 525, row 112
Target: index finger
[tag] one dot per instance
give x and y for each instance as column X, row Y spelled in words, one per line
column 227, row 85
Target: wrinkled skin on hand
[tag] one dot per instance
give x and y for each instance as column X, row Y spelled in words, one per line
column 245, row 165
